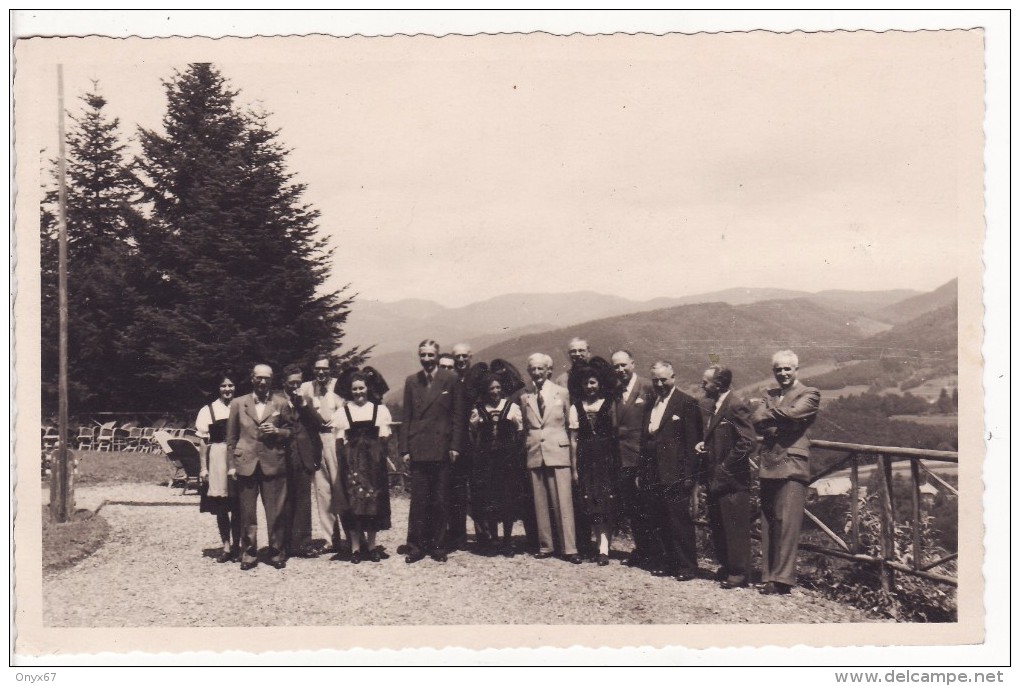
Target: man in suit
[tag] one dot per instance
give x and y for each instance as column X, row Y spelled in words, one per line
column 783, row 417
column 670, row 469
column 320, row 395
column 460, row 471
column 551, row 462
column 430, row 441
column 729, row 442
column 634, row 398
column 258, row 429
column 579, row 353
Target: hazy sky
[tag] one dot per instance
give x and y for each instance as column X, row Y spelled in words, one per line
column 459, row 169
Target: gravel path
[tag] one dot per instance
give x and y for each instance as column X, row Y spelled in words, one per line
column 157, row 570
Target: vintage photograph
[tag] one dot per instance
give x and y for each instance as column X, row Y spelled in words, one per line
column 639, row 340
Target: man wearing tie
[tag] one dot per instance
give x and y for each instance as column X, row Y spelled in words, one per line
column 783, row 417
column 258, row 429
column 635, row 396
column 460, row 471
column 729, row 443
column 430, row 441
column 550, row 460
column 670, row 469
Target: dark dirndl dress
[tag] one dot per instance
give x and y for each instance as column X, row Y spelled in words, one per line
column 499, row 479
column 224, row 489
column 365, row 476
column 597, row 462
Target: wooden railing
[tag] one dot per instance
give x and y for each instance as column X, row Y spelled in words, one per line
column 884, row 457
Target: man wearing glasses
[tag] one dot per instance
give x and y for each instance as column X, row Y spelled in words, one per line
column 783, row 417
column 320, row 396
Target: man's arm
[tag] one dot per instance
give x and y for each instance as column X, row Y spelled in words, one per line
column 740, row 419
column 803, row 407
column 459, row 417
column 402, row 440
column 233, row 433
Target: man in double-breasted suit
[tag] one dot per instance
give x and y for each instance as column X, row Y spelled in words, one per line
column 544, row 406
column 783, row 417
column 633, row 400
column 728, row 445
column 258, row 429
column 430, row 441
column 670, row 469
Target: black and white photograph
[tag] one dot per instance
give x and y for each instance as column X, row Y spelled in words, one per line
column 500, row 340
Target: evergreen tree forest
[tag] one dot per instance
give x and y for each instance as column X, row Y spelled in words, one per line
column 195, row 257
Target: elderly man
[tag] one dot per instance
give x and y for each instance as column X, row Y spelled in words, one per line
column 729, row 443
column 320, row 396
column 258, row 429
column 578, row 352
column 671, row 466
column 550, row 459
column 783, row 417
column 430, row 441
column 460, row 471
column 635, row 396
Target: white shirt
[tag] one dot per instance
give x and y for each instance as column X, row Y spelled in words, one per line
column 719, row 402
column 363, row 413
column 220, row 410
column 260, row 407
column 659, row 409
column 329, row 405
column 573, row 421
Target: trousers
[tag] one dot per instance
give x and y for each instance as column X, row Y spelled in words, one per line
column 273, row 490
column 430, row 510
column 782, row 513
column 554, row 506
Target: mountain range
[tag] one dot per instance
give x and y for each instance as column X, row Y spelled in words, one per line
column 741, row 327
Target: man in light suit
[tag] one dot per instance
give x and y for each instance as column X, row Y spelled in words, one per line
column 258, row 429
column 729, row 443
column 320, row 395
column 550, row 460
column 671, row 467
column 579, row 354
column 636, row 394
column 783, row 417
column 430, row 441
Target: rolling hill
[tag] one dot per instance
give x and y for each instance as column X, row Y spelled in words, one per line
column 911, row 308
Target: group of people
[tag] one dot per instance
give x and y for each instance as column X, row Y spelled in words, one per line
column 573, row 458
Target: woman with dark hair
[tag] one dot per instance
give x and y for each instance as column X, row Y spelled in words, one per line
column 496, row 424
column 591, row 424
column 218, row 492
column 364, row 427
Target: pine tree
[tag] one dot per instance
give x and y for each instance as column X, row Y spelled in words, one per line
column 102, row 224
column 237, row 266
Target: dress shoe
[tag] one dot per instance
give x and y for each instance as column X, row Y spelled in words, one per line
column 685, row 575
column 403, row 549
column 375, row 555
column 733, row 582
column 278, row 564
column 634, row 560
column 356, row 557
column 439, row 557
column 224, row 556
column 574, row 559
column 720, row 574
column 411, row 558
column 250, row 564
column 540, row 555
column 602, row 560
column 664, row 571
column 508, row 550
column 775, row 588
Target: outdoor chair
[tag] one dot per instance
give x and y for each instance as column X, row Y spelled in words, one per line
column 184, row 460
column 148, row 443
column 133, row 442
column 104, row 441
column 86, row 437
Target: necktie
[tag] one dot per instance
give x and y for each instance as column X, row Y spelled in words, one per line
column 428, row 378
column 541, row 403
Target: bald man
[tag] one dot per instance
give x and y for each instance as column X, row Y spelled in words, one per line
column 258, row 430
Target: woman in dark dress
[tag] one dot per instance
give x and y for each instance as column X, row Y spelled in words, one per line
column 218, row 491
column 496, row 426
column 364, row 426
column 592, row 426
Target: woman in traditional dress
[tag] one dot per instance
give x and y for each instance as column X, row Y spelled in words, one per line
column 364, row 427
column 219, row 492
column 591, row 423
column 496, row 427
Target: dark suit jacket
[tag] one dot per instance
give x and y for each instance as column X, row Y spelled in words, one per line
column 669, row 460
column 784, row 423
column 630, row 424
column 245, row 448
column 433, row 424
column 306, row 442
column 730, row 440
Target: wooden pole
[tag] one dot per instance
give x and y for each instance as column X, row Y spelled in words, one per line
column 888, row 538
column 855, row 506
column 915, row 497
column 61, row 495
